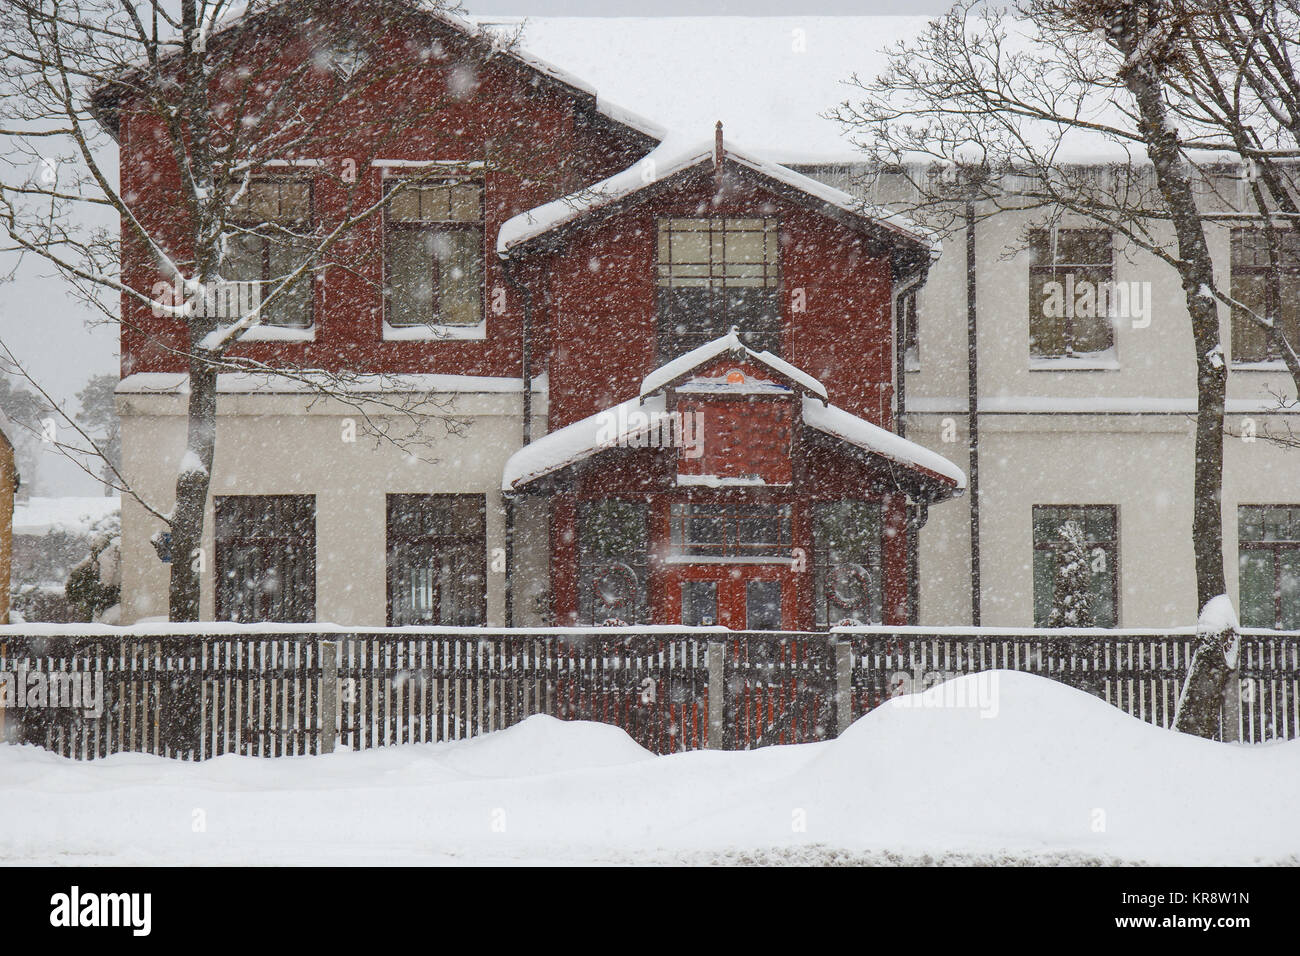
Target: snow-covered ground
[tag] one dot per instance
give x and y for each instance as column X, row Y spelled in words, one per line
column 1038, row 772
column 73, row 515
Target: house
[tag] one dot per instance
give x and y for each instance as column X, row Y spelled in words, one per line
column 9, row 481
column 662, row 375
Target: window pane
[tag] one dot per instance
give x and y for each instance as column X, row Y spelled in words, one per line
column 460, row 274
column 1289, row 588
column 292, row 309
column 410, row 286
column 763, row 605
column 699, row 603
column 1249, row 341
column 1255, row 588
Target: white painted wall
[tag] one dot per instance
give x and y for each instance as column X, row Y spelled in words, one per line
column 285, row 444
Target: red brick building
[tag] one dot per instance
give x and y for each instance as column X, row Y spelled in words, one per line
column 674, row 368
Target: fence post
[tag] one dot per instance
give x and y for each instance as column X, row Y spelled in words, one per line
column 843, row 685
column 1232, row 707
column 717, row 695
column 329, row 695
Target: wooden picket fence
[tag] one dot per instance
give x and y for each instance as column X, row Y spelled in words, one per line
column 279, row 694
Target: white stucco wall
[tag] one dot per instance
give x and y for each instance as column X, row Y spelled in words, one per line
column 275, row 444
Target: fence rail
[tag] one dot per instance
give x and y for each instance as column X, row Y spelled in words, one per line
column 194, row 696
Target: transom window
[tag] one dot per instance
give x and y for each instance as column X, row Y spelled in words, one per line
column 1071, row 277
column 433, row 254
column 1268, row 542
column 1100, row 527
column 1250, row 269
column 730, row 530
column 714, row 273
column 272, row 224
column 437, row 547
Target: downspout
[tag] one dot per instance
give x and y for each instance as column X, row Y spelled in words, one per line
column 972, row 413
column 526, row 374
column 916, row 513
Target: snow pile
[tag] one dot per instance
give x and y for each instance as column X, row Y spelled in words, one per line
column 996, row 767
column 75, row 516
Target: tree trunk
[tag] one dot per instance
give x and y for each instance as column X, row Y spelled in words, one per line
column 1204, row 690
column 192, row 483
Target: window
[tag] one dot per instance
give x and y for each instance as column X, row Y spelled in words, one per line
column 613, row 542
column 1070, row 283
column 730, row 530
column 847, row 582
column 272, row 221
column 433, row 255
column 907, row 321
column 1249, row 286
column 1100, row 534
column 266, row 558
column 716, row 273
column 1268, row 542
column 437, row 547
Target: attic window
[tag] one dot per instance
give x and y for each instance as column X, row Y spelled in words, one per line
column 715, row 273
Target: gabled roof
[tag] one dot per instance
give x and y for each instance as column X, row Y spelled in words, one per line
column 729, row 344
column 625, row 424
column 104, row 100
column 531, row 229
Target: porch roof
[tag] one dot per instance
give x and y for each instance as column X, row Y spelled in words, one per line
column 623, row 425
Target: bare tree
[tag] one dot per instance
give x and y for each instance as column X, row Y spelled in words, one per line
column 226, row 103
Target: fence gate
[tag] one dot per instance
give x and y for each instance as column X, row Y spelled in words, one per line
column 778, row 689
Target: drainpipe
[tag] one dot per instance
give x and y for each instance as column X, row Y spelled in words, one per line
column 526, row 374
column 914, row 511
column 972, row 413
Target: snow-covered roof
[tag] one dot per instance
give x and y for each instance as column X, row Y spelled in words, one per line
column 672, row 156
column 728, row 344
column 623, row 424
column 614, row 427
column 857, row 431
column 492, row 33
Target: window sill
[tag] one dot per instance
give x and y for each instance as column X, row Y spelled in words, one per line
column 277, row 333
column 739, row 559
column 435, row 333
column 1075, row 364
column 1272, row 365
